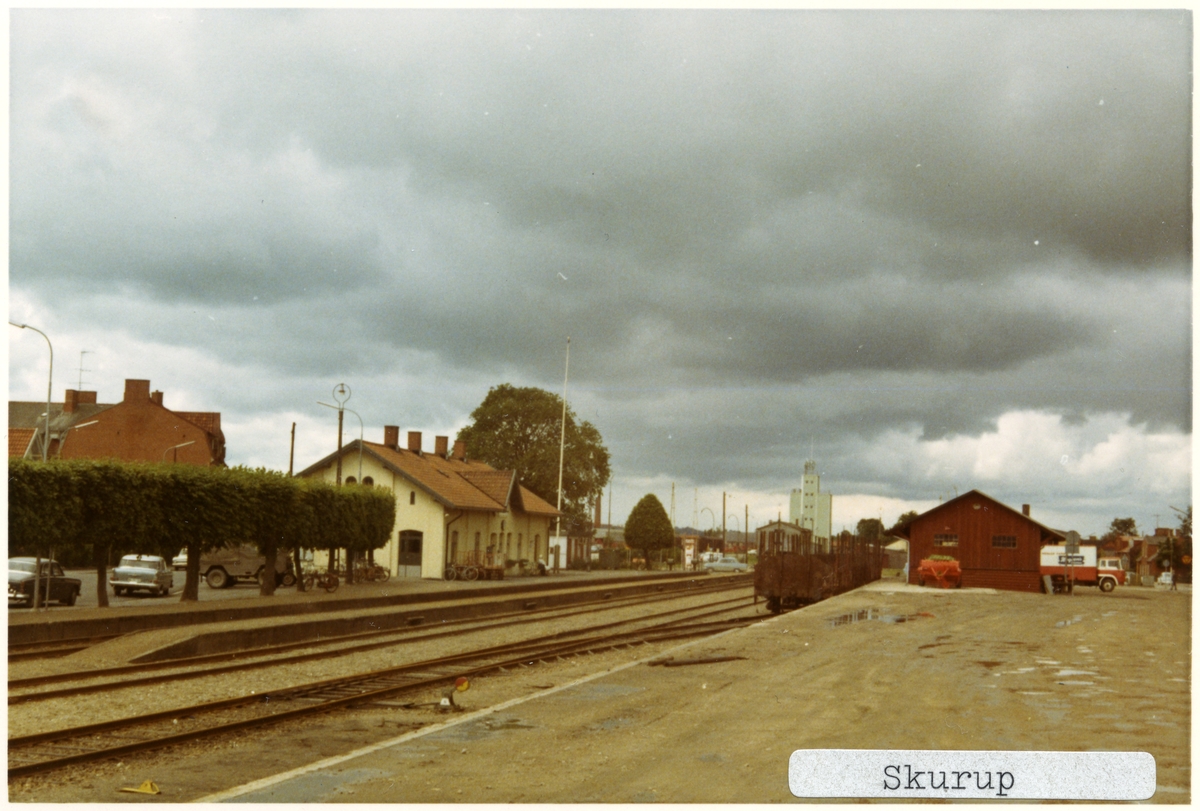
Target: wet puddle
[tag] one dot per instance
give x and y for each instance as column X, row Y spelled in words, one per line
column 867, row 614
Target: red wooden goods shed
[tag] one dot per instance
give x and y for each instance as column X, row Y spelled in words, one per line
column 996, row 546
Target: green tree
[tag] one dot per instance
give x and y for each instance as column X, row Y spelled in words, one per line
column 648, row 527
column 903, row 519
column 1121, row 526
column 1172, row 552
column 869, row 529
column 519, row 429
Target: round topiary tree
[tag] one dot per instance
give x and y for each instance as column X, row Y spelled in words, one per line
column 648, row 527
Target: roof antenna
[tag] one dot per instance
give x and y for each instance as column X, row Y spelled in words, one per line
column 83, row 352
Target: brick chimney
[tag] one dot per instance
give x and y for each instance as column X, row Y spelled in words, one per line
column 70, row 401
column 441, row 446
column 391, row 436
column 156, row 396
column 136, row 390
column 1025, row 510
column 460, row 451
column 414, row 441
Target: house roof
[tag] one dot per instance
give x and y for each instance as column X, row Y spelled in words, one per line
column 901, row 530
column 19, row 440
column 455, row 483
column 534, row 504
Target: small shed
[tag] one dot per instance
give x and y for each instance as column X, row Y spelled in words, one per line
column 995, row 545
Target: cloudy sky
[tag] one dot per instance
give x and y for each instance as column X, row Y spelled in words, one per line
column 935, row 250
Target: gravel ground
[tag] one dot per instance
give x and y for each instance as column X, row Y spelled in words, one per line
column 41, row 716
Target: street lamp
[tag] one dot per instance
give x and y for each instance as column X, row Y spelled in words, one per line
column 49, row 386
column 360, row 433
column 175, row 448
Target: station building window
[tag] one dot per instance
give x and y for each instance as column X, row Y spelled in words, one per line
column 945, row 539
column 1004, row 541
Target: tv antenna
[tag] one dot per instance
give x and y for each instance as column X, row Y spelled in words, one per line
column 83, row 352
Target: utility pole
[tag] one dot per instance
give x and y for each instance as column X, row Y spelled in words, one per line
column 724, row 533
column 292, row 452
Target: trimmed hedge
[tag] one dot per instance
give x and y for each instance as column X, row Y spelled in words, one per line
column 85, row 508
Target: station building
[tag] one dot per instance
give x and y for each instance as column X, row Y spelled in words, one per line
column 448, row 508
column 995, row 545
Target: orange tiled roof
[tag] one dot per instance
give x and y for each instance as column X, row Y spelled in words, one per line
column 427, row 471
column 497, row 484
column 459, row 484
column 18, row 440
column 532, row 503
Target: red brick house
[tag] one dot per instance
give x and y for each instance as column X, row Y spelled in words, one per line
column 995, row 545
column 139, row 428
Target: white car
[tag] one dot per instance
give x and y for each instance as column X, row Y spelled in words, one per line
column 142, row 573
column 179, row 562
column 726, row 564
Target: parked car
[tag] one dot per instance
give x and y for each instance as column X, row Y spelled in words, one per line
column 726, row 564
column 179, row 562
column 223, row 567
column 55, row 585
column 142, row 573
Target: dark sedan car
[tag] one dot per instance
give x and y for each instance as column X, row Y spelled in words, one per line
column 55, row 585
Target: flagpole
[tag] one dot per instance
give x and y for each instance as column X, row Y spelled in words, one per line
column 562, row 443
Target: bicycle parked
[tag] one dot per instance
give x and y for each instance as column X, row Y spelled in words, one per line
column 371, row 573
column 325, row 580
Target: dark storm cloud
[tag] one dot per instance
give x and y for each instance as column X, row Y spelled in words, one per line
column 857, row 222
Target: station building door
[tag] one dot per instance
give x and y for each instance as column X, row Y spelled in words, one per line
column 409, row 565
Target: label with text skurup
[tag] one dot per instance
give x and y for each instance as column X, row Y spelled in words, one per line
column 971, row 775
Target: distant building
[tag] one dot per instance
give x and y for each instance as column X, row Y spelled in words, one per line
column 995, row 545
column 137, row 429
column 810, row 508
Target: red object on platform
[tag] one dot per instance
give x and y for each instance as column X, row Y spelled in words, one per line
column 946, row 574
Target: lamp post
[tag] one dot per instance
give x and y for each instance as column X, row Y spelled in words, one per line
column 341, row 393
column 562, row 446
column 175, row 448
column 360, row 433
column 49, row 386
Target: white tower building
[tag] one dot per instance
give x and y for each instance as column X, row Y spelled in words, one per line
column 812, row 509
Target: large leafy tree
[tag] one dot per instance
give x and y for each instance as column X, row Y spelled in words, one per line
column 519, row 429
column 648, row 526
column 870, row 529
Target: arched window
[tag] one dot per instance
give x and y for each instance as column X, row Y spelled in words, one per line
column 351, row 480
column 368, row 481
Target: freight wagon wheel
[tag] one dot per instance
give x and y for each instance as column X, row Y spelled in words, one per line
column 470, row 573
column 450, row 573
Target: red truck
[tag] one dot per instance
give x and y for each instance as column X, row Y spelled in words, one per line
column 1080, row 569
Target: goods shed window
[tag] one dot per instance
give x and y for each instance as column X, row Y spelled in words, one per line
column 945, row 539
column 1004, row 541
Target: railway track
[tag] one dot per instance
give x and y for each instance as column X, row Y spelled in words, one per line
column 214, row 664
column 24, row 651
column 43, row 752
